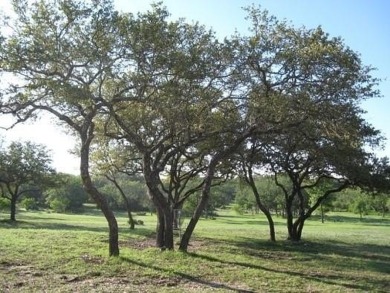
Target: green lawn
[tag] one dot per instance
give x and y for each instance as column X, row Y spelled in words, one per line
column 49, row 252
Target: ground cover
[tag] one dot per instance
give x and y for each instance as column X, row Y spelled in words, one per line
column 68, row 253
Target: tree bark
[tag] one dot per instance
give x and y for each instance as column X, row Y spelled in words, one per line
column 160, row 229
column 13, row 208
column 164, row 236
column 185, row 239
column 86, row 138
column 289, row 218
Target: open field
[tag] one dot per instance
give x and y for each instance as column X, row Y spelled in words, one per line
column 49, row 252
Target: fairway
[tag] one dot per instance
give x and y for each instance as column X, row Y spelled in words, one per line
column 50, row 252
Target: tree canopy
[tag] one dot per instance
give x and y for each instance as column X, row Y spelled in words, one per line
column 179, row 101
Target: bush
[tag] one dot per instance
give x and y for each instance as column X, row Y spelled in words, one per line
column 59, row 205
column 5, row 204
column 238, row 209
column 29, row 204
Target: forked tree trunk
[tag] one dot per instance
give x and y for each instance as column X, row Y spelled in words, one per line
column 295, row 233
column 164, row 229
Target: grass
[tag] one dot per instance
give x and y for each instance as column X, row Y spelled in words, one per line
column 49, row 252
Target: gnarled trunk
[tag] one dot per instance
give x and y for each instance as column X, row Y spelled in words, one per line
column 164, row 229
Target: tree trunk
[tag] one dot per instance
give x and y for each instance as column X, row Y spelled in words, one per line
column 295, row 234
column 131, row 220
column 168, row 235
column 185, row 239
column 100, row 200
column 289, row 217
column 125, row 199
column 267, row 213
column 160, row 229
column 164, row 229
column 13, row 208
column 107, row 212
column 261, row 206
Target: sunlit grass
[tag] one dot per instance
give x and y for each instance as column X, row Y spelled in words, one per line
column 66, row 252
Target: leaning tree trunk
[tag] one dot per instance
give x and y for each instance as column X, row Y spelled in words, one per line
column 126, row 200
column 206, row 189
column 261, row 206
column 97, row 196
column 185, row 239
column 130, row 216
column 270, row 222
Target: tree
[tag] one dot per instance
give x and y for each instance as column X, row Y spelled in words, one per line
column 178, row 101
column 381, row 203
column 360, row 204
column 317, row 82
column 60, row 55
column 24, row 167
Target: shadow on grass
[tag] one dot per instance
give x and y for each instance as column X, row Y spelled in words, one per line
column 359, row 259
column 187, row 277
column 366, row 220
column 61, row 226
column 366, row 257
column 7, row 224
column 331, row 279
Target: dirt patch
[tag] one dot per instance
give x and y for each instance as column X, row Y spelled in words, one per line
column 138, row 243
column 145, row 243
column 25, row 278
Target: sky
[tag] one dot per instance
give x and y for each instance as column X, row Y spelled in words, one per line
column 364, row 25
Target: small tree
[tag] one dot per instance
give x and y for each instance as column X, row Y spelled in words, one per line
column 67, row 195
column 360, row 203
column 24, row 167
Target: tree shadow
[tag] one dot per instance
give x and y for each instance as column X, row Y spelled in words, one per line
column 367, row 220
column 330, row 278
column 20, row 224
column 187, row 277
column 374, row 257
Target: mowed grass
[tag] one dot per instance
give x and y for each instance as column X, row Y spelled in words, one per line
column 49, row 252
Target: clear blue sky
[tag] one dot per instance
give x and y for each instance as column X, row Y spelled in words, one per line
column 363, row 24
